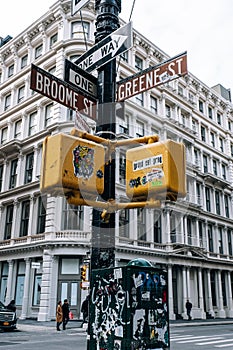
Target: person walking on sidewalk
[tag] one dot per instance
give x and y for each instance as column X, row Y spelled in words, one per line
column 188, row 306
column 65, row 311
column 85, row 309
column 59, row 315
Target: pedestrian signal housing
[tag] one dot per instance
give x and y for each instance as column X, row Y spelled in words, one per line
column 72, row 165
column 83, row 272
column 156, row 170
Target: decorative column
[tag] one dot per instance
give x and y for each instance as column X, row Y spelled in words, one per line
column 221, row 311
column 53, row 287
column 9, row 288
column 19, row 169
column 15, row 224
column 200, row 290
column 43, row 314
column 210, row 301
column 229, row 294
column 188, row 283
column 185, row 230
column 184, row 285
column 167, row 226
column 24, row 312
column 172, row 316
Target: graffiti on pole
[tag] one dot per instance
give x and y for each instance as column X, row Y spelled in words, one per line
column 128, row 309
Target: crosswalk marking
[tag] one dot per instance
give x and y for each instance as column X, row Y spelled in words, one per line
column 223, row 345
column 206, row 339
column 215, row 342
column 181, row 337
column 194, row 338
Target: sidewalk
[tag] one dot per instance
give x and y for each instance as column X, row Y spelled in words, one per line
column 34, row 325
column 76, row 325
column 208, row 322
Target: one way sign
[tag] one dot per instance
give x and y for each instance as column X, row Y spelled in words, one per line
column 114, row 44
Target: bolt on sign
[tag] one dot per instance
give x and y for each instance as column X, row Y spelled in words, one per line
column 152, row 76
column 156, row 170
column 72, row 165
column 60, row 91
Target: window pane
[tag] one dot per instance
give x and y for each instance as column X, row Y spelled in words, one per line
column 74, row 293
column 70, row 266
column 38, row 51
column 21, row 93
column 10, row 70
column 79, row 29
column 29, row 168
column 72, row 217
column 13, row 174
column 4, row 135
column 1, row 176
column 3, row 289
column 41, row 214
column 18, row 125
column 9, row 220
column 48, row 114
column 32, row 123
column 53, row 39
column 37, row 290
column 7, row 102
column 19, row 290
column 24, row 218
column 24, row 61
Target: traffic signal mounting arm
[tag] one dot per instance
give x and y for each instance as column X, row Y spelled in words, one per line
column 155, row 170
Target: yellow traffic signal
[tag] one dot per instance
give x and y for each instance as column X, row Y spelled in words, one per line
column 83, row 272
column 72, row 165
column 156, row 170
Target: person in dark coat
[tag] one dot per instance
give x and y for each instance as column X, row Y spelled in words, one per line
column 11, row 306
column 84, row 309
column 189, row 309
column 65, row 311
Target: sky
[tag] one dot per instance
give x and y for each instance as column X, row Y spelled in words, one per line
column 203, row 28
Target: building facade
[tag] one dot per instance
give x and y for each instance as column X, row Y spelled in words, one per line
column 44, row 241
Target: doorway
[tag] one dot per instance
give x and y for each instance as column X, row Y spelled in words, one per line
column 70, row 290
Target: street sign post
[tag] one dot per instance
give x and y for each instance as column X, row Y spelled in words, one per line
column 107, row 49
column 80, row 79
column 61, row 92
column 153, row 76
column 77, row 5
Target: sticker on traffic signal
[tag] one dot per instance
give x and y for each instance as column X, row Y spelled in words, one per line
column 156, row 171
column 72, row 165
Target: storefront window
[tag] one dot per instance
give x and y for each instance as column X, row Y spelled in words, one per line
column 20, row 283
column 37, row 289
column 3, row 282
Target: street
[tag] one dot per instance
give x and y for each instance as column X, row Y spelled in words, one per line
column 37, row 337
column 207, row 337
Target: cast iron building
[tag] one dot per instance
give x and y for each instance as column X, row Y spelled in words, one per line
column 44, row 241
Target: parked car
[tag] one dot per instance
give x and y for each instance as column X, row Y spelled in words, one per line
column 8, row 317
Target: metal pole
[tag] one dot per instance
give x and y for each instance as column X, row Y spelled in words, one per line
column 103, row 231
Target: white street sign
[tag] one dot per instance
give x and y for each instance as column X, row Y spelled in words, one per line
column 82, row 80
column 114, row 44
column 35, row 265
column 77, row 5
